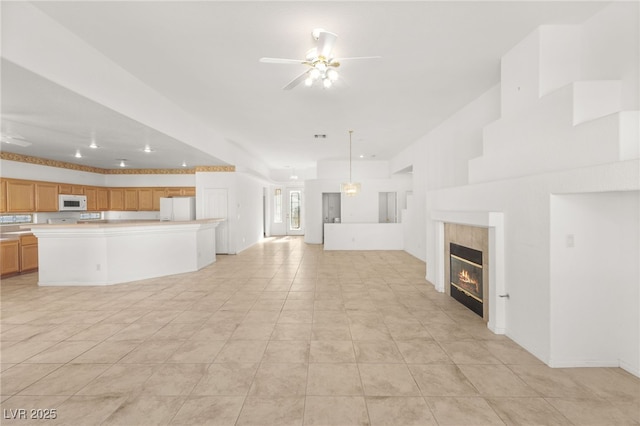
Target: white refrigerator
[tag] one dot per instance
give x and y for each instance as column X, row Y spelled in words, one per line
column 178, row 208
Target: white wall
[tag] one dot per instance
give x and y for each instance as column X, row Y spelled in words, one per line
column 244, row 203
column 363, row 208
column 20, row 170
column 595, row 311
column 439, row 168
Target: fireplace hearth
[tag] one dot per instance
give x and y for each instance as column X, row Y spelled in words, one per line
column 466, row 277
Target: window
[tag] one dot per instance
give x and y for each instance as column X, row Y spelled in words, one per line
column 277, row 206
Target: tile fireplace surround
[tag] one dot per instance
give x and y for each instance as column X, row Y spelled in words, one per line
column 494, row 222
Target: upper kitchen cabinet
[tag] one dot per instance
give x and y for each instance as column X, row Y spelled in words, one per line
column 157, row 194
column 21, row 196
column 145, row 199
column 102, row 202
column 188, row 191
column 71, row 189
column 116, row 198
column 131, row 199
column 3, row 196
column 92, row 198
column 46, row 197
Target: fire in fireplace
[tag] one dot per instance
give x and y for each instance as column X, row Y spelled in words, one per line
column 466, row 277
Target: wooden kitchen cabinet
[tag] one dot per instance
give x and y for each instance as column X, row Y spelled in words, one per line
column 92, row 198
column 9, row 257
column 131, row 199
column 46, row 197
column 28, row 253
column 187, row 191
column 21, row 196
column 116, row 199
column 145, row 199
column 3, row 195
column 157, row 194
column 65, row 188
column 102, row 202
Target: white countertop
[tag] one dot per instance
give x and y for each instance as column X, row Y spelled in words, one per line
column 118, row 224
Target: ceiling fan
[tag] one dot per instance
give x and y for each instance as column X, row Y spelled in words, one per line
column 321, row 65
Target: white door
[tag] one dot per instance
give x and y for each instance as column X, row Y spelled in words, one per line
column 215, row 206
column 294, row 210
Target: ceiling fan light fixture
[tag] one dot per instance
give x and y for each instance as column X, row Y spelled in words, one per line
column 314, row 73
column 326, row 83
column 332, row 74
column 308, row 82
column 316, row 33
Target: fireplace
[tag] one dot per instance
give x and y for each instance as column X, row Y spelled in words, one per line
column 466, row 277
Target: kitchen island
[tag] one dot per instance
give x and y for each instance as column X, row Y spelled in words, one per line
column 112, row 253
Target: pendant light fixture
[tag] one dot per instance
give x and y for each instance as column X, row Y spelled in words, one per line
column 350, row 189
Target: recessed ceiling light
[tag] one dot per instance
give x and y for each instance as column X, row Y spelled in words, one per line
column 93, row 145
column 147, row 148
column 121, row 160
column 78, row 154
column 184, row 164
column 361, row 155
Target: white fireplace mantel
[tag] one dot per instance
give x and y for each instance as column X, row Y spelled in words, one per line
column 494, row 221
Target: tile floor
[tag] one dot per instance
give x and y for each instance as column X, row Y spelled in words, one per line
column 283, row 334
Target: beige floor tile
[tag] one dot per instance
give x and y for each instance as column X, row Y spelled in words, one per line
column 62, row 352
column 387, row 380
column 20, row 351
column 66, row 380
column 176, row 331
column 321, row 331
column 423, row 352
column 120, row 379
column 280, row 380
column 98, row 332
column 497, row 380
column 285, row 333
column 196, row 351
column 510, row 353
column 442, row 380
column 226, row 379
column 550, row 382
column 613, row 384
column 252, row 332
column 395, row 410
column 286, row 352
column 242, row 351
column 145, row 410
column 385, row 352
column 334, row 379
column 335, row 411
column 527, row 411
column 284, row 411
column 291, row 332
column 174, row 379
column 331, row 351
column 88, row 410
column 20, row 376
column 151, row 352
column 209, row 410
column 463, row 411
column 108, row 352
column 590, row 411
column 468, row 352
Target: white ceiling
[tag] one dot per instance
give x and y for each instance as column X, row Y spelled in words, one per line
column 203, row 56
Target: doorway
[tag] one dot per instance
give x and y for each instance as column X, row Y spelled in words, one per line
column 294, row 211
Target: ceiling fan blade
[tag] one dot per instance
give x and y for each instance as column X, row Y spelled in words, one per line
column 356, row 57
column 282, row 61
column 293, row 83
column 326, row 40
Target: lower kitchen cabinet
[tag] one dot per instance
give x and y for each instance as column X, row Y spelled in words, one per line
column 9, row 257
column 28, row 253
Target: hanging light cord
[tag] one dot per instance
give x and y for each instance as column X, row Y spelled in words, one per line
column 350, row 180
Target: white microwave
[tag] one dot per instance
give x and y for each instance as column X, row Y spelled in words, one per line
column 68, row 202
